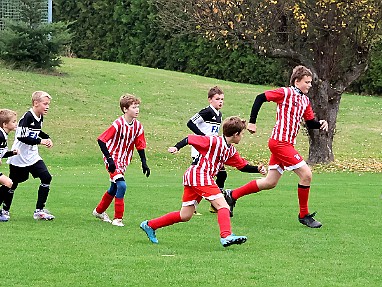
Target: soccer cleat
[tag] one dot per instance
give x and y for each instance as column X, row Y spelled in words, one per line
column 197, row 213
column 231, row 202
column 42, row 214
column 6, row 214
column 232, row 239
column 213, row 209
column 117, row 222
column 3, row 218
column 149, row 232
column 309, row 221
column 103, row 216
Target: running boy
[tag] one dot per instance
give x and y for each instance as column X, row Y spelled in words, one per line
column 292, row 106
column 28, row 136
column 117, row 146
column 215, row 151
column 207, row 123
column 8, row 122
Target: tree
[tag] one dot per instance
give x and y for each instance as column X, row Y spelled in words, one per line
column 29, row 43
column 331, row 37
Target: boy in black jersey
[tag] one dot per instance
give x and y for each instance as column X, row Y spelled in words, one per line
column 207, row 123
column 8, row 122
column 28, row 136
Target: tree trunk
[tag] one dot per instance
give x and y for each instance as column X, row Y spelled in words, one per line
column 325, row 102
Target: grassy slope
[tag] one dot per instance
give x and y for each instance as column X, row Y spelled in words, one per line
column 77, row 250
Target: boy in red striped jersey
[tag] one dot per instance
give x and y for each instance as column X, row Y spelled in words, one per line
column 292, row 106
column 198, row 180
column 117, row 146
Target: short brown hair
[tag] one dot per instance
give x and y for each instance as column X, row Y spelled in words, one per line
column 127, row 100
column 233, row 125
column 298, row 73
column 6, row 116
column 38, row 95
column 215, row 91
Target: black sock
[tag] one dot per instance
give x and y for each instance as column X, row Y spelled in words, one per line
column 7, row 199
column 43, row 192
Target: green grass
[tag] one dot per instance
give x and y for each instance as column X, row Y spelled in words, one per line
column 77, row 250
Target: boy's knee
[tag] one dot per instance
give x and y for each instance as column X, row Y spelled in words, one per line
column 46, row 178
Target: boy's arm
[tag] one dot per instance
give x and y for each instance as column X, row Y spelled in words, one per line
column 43, row 135
column 260, row 99
column 145, row 168
column 10, row 153
column 110, row 162
column 178, row 146
column 194, row 128
column 254, row 169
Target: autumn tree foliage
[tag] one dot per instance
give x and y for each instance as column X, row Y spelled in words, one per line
column 333, row 38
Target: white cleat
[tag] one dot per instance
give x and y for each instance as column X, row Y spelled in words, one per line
column 42, row 214
column 118, row 222
column 102, row 216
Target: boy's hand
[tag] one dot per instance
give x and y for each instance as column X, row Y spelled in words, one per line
column 262, row 169
column 251, row 128
column 172, row 150
column 145, row 169
column 16, row 151
column 324, row 125
column 47, row 142
column 111, row 165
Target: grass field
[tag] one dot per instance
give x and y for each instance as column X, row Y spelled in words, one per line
column 77, row 250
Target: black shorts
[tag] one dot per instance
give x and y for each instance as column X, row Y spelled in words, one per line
column 21, row 173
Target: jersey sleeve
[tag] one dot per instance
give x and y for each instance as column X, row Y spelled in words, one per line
column 236, row 161
column 276, row 96
column 140, row 141
column 200, row 143
column 308, row 114
column 108, row 134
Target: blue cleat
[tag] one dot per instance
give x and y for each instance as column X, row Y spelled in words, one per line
column 232, row 239
column 149, row 231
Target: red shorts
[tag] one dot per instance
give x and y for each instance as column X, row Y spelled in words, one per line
column 192, row 195
column 284, row 156
column 118, row 173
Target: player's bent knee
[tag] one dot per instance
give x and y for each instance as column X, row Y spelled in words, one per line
column 46, row 178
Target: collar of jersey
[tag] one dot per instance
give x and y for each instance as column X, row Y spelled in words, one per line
column 297, row 90
column 215, row 110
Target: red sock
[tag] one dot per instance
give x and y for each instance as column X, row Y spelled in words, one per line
column 303, row 197
column 104, row 203
column 119, row 208
column 250, row 187
column 165, row 220
column 224, row 222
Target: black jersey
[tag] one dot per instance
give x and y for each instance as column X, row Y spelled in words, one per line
column 27, row 139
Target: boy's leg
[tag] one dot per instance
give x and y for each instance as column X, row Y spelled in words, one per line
column 107, row 198
column 119, row 204
column 17, row 175
column 224, row 221
column 220, row 181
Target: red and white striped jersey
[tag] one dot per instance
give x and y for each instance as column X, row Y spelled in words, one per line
column 120, row 139
column 292, row 106
column 214, row 154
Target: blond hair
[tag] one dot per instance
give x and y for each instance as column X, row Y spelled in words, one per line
column 127, row 100
column 37, row 96
column 6, row 116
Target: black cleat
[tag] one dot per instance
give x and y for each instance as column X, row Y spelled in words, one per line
column 309, row 221
column 231, row 202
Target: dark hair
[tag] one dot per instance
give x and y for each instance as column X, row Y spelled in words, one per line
column 233, row 125
column 127, row 100
column 215, row 91
column 298, row 73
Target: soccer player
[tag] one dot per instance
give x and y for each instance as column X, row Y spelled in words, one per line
column 292, row 106
column 8, row 122
column 207, row 123
column 27, row 139
column 215, row 151
column 117, row 146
